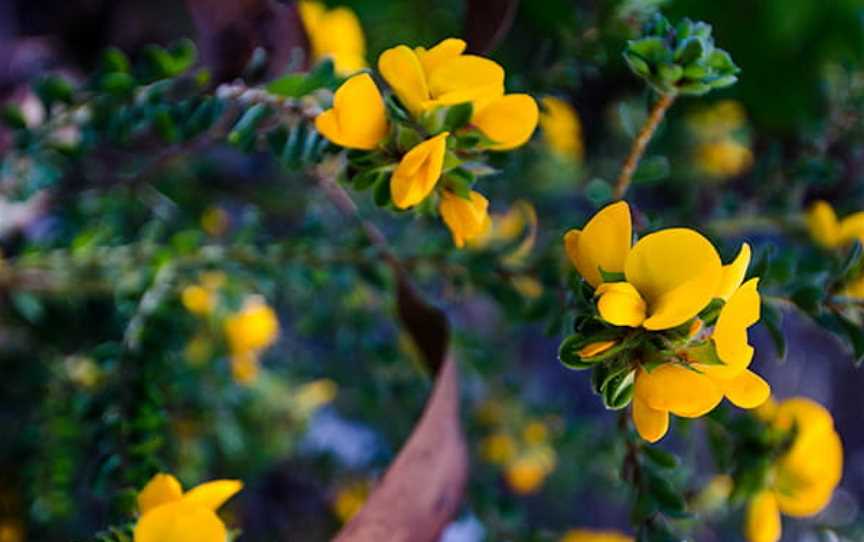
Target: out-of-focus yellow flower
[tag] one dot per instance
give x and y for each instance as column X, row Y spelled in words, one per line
column 253, row 328
column 215, row 221
column 562, row 129
column 466, row 219
column 527, row 473
column 418, row 172
column 804, row 478
column 198, row 299
column 855, row 288
column 245, row 367
column 350, row 499
column 441, row 76
column 83, row 371
column 499, row 448
column 657, row 296
column 357, row 119
column 595, row 535
column 717, row 120
column 335, row 34
column 11, row 530
column 829, row 232
column 536, row 432
column 490, row 412
column 724, row 158
column 519, row 220
column 170, row 515
column 212, row 280
column 714, row 495
column 313, row 395
column 527, row 285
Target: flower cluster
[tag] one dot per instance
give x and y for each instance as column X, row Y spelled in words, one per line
column 168, row 514
column 245, row 332
column 426, row 151
column 801, row 479
column 669, row 326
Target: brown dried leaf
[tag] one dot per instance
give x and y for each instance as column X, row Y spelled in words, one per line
column 423, row 488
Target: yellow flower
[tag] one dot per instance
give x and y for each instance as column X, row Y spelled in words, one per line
column 313, row 395
column 593, row 535
column 498, row 448
column 418, row 172
column 723, row 158
column 804, row 478
column 350, row 499
column 658, row 295
column 519, row 220
column 336, row 34
column 535, row 432
column 562, row 129
column 855, row 288
column 596, row 348
column 170, row 515
column 466, row 219
column 527, row 473
column 245, row 368
column 358, row 119
column 441, row 76
column 252, row 328
column 694, row 389
column 198, row 299
column 831, row 233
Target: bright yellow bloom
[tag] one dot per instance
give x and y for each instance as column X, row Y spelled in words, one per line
column 527, row 473
column 358, row 119
column 535, row 432
column 198, row 299
column 804, row 478
column 252, row 328
column 562, row 129
column 593, row 535
column 418, row 172
column 694, row 390
column 170, row 515
column 466, row 219
column 831, row 233
column 723, row 158
column 245, row 367
column 442, row 76
column 658, row 295
column 718, row 120
column 334, row 34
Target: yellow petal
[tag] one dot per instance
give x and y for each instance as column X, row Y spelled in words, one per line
column 465, row 76
column 852, row 228
column 620, row 304
column 401, row 68
column 603, row 243
column 733, row 274
column 679, row 390
column 747, row 390
column 466, row 219
column 310, row 13
column 822, row 224
column 213, row 494
column 763, row 518
column 180, row 522
column 447, row 49
column 509, row 120
column 651, row 424
column 730, row 333
column 418, row 172
column 562, row 129
column 161, row 489
column 358, row 119
column 252, row 328
column 339, row 35
column 595, row 348
column 677, row 272
column 804, row 485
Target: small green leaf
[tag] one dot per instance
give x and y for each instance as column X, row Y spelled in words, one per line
column 381, row 192
column 661, row 458
column 458, row 116
column 244, row 129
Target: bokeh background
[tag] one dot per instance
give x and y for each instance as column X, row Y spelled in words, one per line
column 340, row 391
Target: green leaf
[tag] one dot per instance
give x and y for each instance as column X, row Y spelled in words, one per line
column 458, row 116
column 661, row 458
column 618, row 390
column 598, row 192
column 381, row 192
column 52, row 88
column 669, row 501
column 118, row 84
column 772, row 318
column 609, row 276
column 568, row 353
column 704, row 353
column 652, row 169
column 689, row 50
column 115, row 61
column 12, row 117
column 297, row 85
column 809, row 298
column 244, row 129
column 460, row 182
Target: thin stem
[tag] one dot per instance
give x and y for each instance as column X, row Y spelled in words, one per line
column 658, row 111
